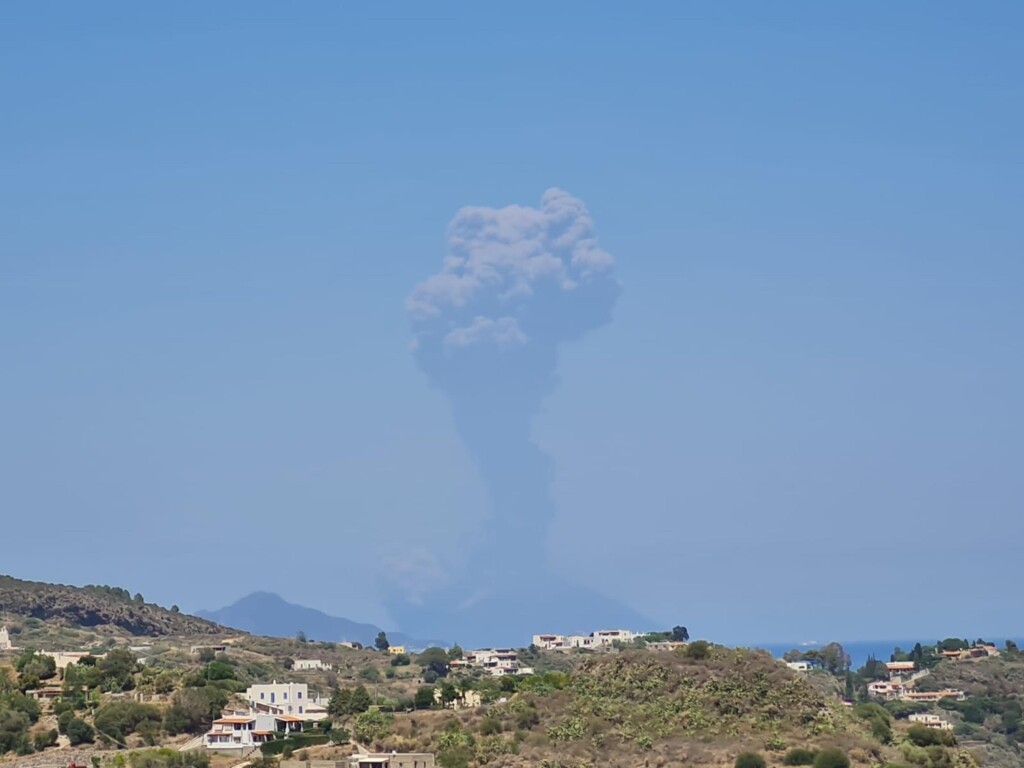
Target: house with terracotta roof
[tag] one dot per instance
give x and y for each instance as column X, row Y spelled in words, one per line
column 239, row 733
column 899, row 668
column 946, row 693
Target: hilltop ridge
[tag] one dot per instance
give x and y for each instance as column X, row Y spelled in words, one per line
column 95, row 607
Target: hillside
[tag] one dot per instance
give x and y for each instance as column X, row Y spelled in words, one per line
column 638, row 708
column 991, row 720
column 30, row 605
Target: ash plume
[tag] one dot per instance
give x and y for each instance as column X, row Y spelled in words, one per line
column 516, row 284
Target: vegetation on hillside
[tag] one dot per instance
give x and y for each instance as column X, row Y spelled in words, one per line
column 30, row 603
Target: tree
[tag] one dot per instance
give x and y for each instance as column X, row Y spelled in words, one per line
column 193, row 710
column 698, row 650
column 424, row 698
column 116, row 670
column 371, row 726
column 680, row 634
column 381, row 642
column 455, row 652
column 80, row 732
column 218, row 670
column 400, row 660
column 923, row 736
column 835, row 659
column 175, row 609
column 36, row 665
column 349, row 701
column 301, row 636
column 138, row 599
column 1011, row 647
column 831, row 757
column 45, row 739
column 340, row 704
column 361, row 700
column 449, row 693
column 435, row 659
column 749, row 760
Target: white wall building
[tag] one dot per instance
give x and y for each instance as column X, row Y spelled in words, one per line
column 238, row 732
column 601, row 638
column 497, row 661
column 282, row 698
column 5, row 640
column 308, row 664
column 932, row 721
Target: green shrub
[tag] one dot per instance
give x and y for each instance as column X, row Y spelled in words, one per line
column 79, row 732
column 749, row 760
column 699, row 649
column 45, row 739
column 799, row 756
column 831, row 757
column 923, row 736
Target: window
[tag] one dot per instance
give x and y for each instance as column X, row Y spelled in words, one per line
column 286, row 695
column 299, row 694
column 261, row 696
column 272, row 697
column 300, row 710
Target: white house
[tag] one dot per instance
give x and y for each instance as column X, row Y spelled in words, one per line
column 932, row 721
column 239, row 732
column 601, row 638
column 308, row 664
column 497, row 661
column 279, row 698
column 5, row 640
column 799, row 666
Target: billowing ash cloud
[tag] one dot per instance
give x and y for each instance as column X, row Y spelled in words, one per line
column 516, row 283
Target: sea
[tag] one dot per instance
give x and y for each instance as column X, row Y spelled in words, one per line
column 861, row 650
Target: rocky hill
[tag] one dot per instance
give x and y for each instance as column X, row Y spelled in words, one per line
column 94, row 608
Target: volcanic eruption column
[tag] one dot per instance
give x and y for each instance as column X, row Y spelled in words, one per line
column 517, row 282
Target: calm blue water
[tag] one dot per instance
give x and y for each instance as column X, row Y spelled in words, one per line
column 860, row 650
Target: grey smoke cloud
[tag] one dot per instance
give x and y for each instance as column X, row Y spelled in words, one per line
column 516, row 283
column 501, row 260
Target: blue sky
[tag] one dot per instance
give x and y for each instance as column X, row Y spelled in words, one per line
column 808, row 399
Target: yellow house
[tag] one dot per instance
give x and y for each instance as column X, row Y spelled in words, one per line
column 394, row 650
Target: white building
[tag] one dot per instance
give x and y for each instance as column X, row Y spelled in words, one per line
column 497, row 661
column 5, row 640
column 601, row 638
column 279, row 698
column 308, row 664
column 932, row 721
column 799, row 666
column 240, row 732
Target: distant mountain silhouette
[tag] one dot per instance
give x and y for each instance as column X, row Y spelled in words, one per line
column 264, row 613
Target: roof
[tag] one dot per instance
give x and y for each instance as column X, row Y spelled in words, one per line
column 288, row 718
column 233, row 720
